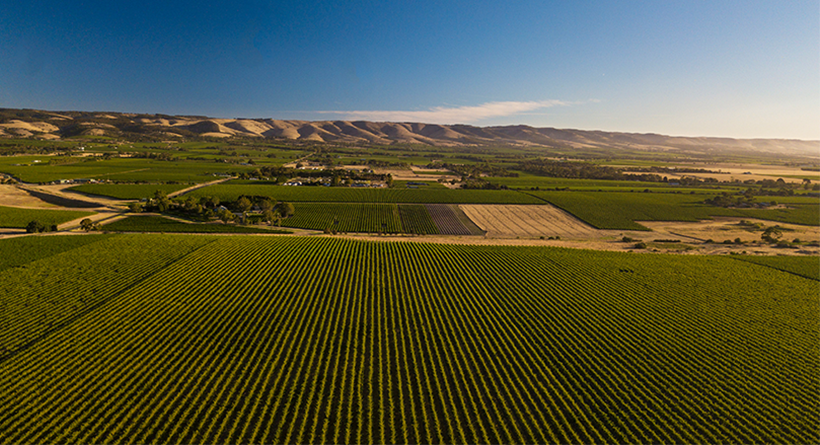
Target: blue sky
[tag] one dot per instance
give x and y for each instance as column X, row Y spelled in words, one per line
column 690, row 68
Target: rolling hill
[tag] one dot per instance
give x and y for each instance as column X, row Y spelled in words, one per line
column 17, row 123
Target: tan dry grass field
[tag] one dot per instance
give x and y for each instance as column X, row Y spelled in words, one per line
column 527, row 220
column 743, row 172
column 13, row 196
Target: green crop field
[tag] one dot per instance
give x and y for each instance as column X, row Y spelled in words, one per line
column 200, row 339
column 230, row 192
column 149, row 223
column 14, row 217
column 806, row 266
column 415, row 218
column 127, row 191
column 346, row 217
column 610, row 210
column 117, row 169
column 41, row 295
column 25, row 249
column 806, row 214
column 619, row 210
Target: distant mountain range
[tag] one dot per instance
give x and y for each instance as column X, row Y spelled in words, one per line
column 61, row 125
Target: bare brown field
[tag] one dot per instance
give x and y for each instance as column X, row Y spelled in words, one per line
column 13, row 196
column 528, row 220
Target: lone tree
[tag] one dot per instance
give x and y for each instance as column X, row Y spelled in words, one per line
column 135, row 207
column 771, row 234
column 87, row 225
column 286, row 209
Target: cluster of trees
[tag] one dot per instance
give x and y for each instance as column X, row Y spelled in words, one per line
column 339, row 177
column 208, row 207
column 725, row 199
column 270, row 211
column 582, row 170
column 161, row 156
column 474, row 171
column 481, row 184
column 38, row 227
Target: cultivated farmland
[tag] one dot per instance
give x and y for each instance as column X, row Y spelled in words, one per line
column 159, row 224
column 293, row 340
column 619, row 210
column 230, row 192
column 519, row 220
column 416, row 219
column 450, row 220
column 346, row 217
column 19, row 218
column 127, row 191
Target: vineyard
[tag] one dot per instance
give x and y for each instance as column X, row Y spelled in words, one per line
column 620, row 210
column 127, row 191
column 346, row 217
column 199, row 339
column 805, row 266
column 160, row 224
column 448, row 221
column 230, row 192
column 416, row 219
column 19, row 218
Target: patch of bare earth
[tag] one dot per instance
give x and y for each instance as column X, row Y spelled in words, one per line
column 13, row 196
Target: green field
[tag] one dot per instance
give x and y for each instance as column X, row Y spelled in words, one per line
column 50, row 168
column 346, row 217
column 806, row 214
column 149, row 223
column 25, row 249
column 619, row 211
column 610, row 210
column 231, row 192
column 127, row 191
column 805, row 266
column 416, row 219
column 385, row 218
column 199, row 339
column 14, row 217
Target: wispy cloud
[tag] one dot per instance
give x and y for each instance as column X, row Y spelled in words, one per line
column 449, row 115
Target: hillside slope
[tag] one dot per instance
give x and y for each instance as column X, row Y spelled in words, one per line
column 52, row 125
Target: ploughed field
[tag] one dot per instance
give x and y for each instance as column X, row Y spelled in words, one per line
column 173, row 338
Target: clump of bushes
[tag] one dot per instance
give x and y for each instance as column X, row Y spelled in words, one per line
column 38, row 227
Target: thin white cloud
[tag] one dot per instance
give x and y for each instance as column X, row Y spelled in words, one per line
column 453, row 115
